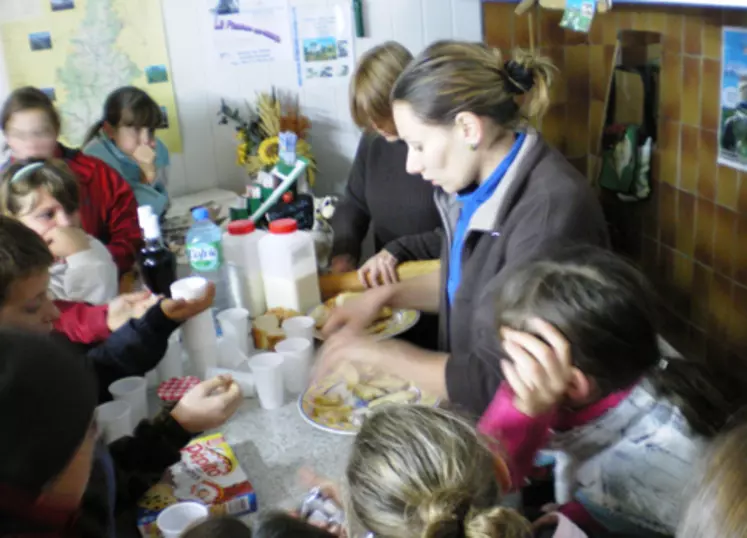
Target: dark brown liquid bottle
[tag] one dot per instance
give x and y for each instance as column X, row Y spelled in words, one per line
column 157, row 263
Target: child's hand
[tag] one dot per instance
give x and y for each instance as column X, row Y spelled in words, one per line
column 180, row 310
column 208, row 405
column 539, row 374
column 65, row 241
column 146, row 158
column 128, row 306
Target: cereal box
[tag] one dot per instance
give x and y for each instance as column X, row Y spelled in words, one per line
column 208, row 473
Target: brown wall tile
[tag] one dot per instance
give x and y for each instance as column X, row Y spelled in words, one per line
column 577, row 72
column 727, row 187
column 685, row 231
column 700, row 295
column 707, row 167
column 669, row 147
column 689, row 147
column 667, row 214
column 724, row 235
column 674, row 33
column 693, row 41
column 711, row 98
column 704, row 225
column 499, row 27
column 740, row 254
column 690, row 103
column 671, row 86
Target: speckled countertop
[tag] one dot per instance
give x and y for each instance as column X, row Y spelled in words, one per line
column 273, row 445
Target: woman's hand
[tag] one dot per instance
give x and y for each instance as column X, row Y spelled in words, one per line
column 181, row 310
column 539, row 372
column 208, row 405
column 65, row 241
column 356, row 314
column 379, row 267
column 347, row 347
column 342, row 263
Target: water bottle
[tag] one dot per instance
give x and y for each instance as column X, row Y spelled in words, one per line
column 205, row 254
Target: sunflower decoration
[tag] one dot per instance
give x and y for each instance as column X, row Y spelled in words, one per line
column 258, row 139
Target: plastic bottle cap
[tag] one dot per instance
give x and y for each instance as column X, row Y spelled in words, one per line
column 241, row 227
column 283, row 226
column 200, row 213
column 151, row 228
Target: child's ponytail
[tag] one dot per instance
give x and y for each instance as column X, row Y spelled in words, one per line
column 93, row 131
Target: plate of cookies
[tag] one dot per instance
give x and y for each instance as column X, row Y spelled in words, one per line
column 340, row 403
column 388, row 323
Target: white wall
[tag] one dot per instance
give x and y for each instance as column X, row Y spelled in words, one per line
column 208, row 159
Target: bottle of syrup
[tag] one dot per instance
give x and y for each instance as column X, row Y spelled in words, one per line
column 157, row 262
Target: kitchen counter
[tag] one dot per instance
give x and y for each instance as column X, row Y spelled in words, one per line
column 273, row 445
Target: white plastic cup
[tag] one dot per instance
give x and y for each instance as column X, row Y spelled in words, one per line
column 171, row 364
column 245, row 380
column 198, row 332
column 152, row 379
column 132, row 390
column 114, row 420
column 297, row 354
column 268, row 378
column 300, row 327
column 177, row 518
column 238, row 320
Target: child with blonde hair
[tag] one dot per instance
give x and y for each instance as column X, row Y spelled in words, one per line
column 423, row 472
column 43, row 195
column 717, row 503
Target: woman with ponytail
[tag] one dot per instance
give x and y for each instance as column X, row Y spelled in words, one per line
column 422, row 472
column 585, row 378
column 504, row 196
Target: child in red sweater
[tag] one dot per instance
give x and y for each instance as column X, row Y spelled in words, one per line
column 108, row 210
column 587, row 381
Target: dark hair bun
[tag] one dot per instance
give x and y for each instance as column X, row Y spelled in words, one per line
column 519, row 78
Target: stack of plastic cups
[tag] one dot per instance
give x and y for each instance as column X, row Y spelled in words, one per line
column 198, row 333
column 171, row 365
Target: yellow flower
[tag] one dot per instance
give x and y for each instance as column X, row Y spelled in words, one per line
column 268, row 151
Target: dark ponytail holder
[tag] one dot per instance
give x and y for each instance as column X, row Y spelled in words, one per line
column 519, row 79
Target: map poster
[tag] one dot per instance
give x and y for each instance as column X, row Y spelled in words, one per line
column 732, row 140
column 251, row 31
column 78, row 51
column 324, row 41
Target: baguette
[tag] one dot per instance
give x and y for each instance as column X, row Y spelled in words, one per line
column 335, row 283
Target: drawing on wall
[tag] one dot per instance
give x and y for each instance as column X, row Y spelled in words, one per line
column 49, row 92
column 96, row 47
column 62, row 5
column 324, row 36
column 251, row 31
column 40, row 41
column 156, row 74
column 732, row 147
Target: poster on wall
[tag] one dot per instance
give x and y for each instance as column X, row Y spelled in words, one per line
column 246, row 32
column 78, row 51
column 732, row 147
column 324, row 39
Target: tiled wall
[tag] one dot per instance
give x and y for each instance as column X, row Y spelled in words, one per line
column 691, row 236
